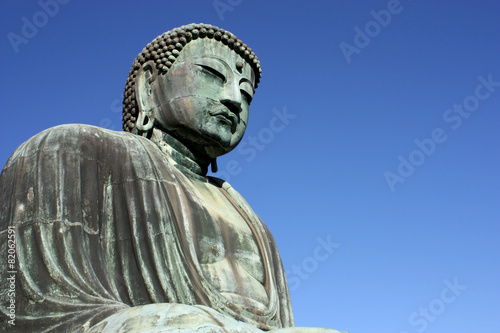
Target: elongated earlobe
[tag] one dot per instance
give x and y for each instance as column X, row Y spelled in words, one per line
column 145, row 99
column 145, row 121
column 214, row 165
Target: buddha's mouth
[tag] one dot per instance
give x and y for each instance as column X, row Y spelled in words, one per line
column 224, row 119
column 227, row 117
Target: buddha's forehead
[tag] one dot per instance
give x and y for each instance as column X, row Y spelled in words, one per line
column 210, row 48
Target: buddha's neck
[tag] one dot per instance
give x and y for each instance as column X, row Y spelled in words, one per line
column 187, row 158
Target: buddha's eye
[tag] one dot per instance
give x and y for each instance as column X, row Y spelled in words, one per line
column 247, row 96
column 247, row 90
column 213, row 71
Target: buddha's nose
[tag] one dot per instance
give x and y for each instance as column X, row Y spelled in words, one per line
column 231, row 96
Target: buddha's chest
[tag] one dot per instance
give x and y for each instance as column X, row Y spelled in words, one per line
column 227, row 248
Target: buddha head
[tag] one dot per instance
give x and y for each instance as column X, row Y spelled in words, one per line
column 195, row 83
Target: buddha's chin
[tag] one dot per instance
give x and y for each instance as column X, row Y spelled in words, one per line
column 216, row 148
column 218, row 142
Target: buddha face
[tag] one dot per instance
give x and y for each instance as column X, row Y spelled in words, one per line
column 204, row 97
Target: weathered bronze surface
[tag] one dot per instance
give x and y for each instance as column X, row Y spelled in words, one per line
column 123, row 231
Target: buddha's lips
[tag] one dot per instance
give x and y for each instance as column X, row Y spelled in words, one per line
column 230, row 117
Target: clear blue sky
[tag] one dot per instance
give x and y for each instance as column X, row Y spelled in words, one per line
column 378, row 136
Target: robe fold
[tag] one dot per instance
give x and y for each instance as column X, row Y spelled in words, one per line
column 103, row 222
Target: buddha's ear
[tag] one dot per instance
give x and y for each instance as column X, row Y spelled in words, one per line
column 146, row 100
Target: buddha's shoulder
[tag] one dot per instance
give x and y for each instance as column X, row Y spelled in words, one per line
column 84, row 139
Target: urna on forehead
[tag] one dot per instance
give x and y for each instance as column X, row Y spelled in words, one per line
column 166, row 48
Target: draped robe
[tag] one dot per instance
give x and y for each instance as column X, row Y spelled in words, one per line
column 103, row 222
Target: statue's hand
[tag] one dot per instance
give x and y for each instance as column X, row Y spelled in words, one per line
column 170, row 318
